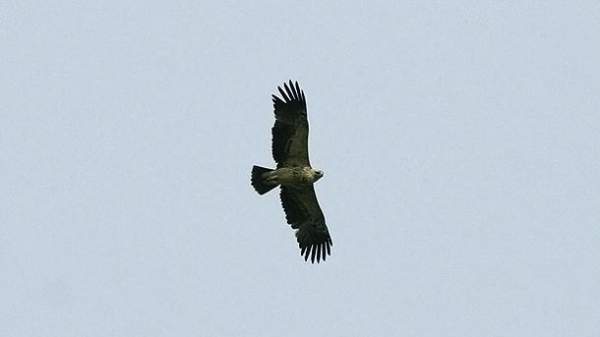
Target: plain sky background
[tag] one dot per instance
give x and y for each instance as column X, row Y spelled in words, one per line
column 460, row 141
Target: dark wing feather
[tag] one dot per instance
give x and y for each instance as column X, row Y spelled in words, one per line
column 304, row 214
column 290, row 132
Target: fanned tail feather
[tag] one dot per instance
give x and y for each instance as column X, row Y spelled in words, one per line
column 258, row 182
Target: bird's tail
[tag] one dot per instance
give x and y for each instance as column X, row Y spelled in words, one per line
column 258, row 181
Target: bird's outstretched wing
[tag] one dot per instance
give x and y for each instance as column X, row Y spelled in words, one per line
column 304, row 214
column 290, row 132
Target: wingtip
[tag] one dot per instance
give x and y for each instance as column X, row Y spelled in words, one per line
column 319, row 253
column 298, row 91
column 316, row 252
column 283, row 95
column 291, row 91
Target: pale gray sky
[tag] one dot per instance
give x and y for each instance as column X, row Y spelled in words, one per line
column 460, row 141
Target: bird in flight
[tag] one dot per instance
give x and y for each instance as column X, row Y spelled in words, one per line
column 294, row 174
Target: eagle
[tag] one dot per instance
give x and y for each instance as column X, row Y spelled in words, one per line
column 294, row 174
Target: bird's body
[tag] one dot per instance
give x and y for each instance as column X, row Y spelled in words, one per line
column 294, row 174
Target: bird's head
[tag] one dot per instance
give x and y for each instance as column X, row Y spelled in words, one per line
column 319, row 174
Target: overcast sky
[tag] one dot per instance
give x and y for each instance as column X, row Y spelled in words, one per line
column 460, row 141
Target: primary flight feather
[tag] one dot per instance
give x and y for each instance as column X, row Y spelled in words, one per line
column 294, row 174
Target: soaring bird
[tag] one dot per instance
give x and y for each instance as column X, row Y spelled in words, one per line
column 294, row 174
